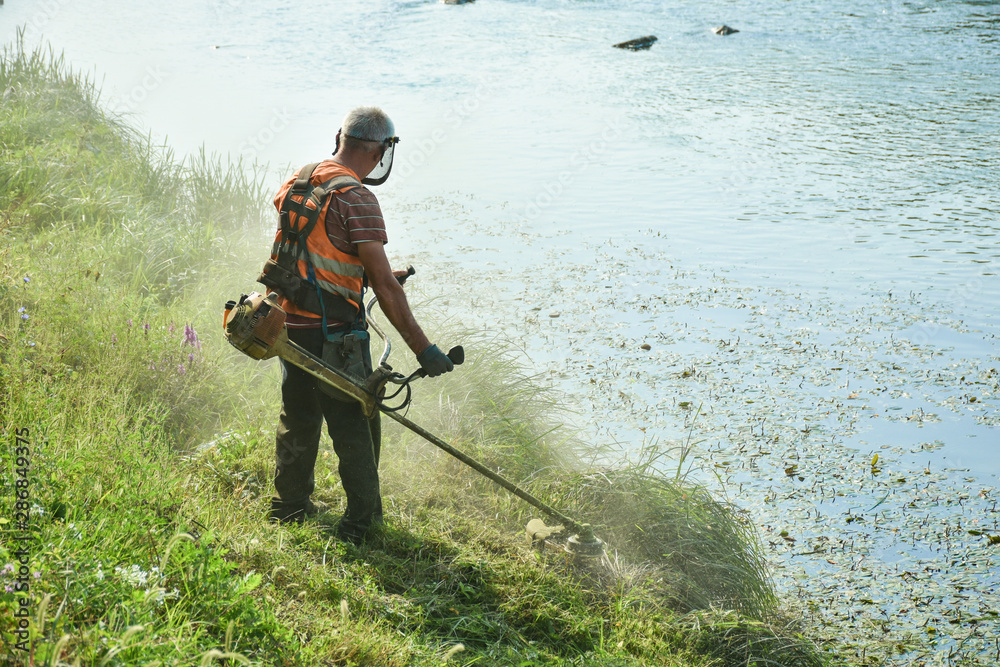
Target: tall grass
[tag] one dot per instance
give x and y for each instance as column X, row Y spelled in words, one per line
column 152, row 446
column 71, row 169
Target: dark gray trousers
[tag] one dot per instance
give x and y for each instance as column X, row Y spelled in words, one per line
column 356, row 441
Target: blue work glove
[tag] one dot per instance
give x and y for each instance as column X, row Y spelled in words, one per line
column 434, row 361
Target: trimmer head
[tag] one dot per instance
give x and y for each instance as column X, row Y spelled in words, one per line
column 582, row 544
column 585, row 544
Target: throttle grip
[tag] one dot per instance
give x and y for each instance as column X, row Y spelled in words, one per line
column 456, row 354
column 409, row 272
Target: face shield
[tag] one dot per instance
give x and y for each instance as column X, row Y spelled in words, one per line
column 380, row 173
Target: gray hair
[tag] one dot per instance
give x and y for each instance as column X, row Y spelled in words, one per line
column 368, row 124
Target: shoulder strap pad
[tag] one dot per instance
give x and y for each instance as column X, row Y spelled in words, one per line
column 342, row 182
column 323, row 190
column 302, row 180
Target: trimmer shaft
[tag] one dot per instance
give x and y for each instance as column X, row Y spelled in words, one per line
column 255, row 325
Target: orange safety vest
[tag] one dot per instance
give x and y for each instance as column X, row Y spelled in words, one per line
column 319, row 262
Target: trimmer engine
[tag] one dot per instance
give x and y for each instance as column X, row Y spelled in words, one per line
column 255, row 325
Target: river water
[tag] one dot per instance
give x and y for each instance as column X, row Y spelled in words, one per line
column 798, row 220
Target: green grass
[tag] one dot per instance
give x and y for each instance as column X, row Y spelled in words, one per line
column 151, row 456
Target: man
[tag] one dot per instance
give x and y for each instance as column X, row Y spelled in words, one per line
column 329, row 246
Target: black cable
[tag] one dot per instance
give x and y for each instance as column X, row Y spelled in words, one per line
column 406, row 401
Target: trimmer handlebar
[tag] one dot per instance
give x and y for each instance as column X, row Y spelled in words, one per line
column 456, row 354
column 387, row 346
column 401, row 279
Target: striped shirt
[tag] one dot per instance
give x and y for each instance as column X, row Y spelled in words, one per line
column 354, row 217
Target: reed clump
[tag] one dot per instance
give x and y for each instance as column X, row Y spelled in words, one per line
column 672, row 546
column 497, row 410
column 151, row 442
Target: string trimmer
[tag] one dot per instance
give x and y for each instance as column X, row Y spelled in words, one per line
column 255, row 325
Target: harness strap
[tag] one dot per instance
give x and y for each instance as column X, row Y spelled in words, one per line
column 325, row 298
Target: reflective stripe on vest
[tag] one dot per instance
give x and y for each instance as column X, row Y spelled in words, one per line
column 334, row 270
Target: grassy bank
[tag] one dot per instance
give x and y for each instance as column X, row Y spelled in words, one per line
column 146, row 454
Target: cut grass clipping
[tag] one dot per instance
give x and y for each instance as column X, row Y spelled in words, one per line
column 136, row 473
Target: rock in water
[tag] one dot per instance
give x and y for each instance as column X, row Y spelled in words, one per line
column 637, row 44
column 724, row 30
column 456, row 2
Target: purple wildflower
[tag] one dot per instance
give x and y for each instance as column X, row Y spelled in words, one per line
column 27, row 279
column 21, row 309
column 9, row 588
column 191, row 337
column 145, row 326
column 130, row 321
column 181, row 369
column 171, row 328
column 191, row 357
column 8, row 569
column 36, row 575
column 152, row 366
column 24, row 317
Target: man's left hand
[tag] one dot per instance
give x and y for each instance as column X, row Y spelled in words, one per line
column 434, row 361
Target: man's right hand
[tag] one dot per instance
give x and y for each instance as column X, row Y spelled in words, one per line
column 401, row 276
column 434, row 361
